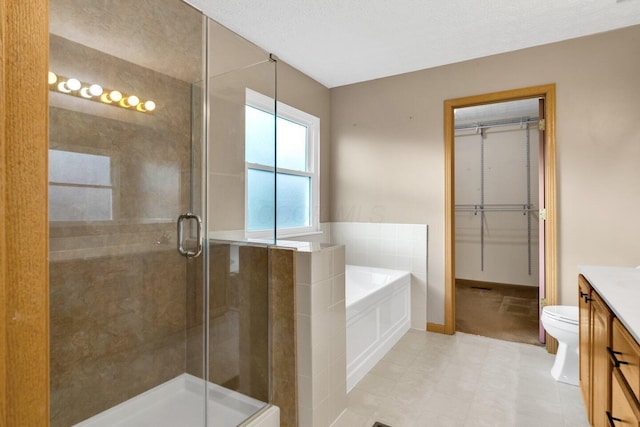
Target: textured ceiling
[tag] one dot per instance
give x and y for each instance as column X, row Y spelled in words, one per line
column 339, row 42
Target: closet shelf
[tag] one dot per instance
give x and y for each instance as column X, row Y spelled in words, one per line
column 497, row 207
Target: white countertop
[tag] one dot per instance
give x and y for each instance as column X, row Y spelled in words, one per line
column 619, row 287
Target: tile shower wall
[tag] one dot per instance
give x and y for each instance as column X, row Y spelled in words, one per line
column 118, row 287
column 251, row 288
column 321, row 346
column 108, row 343
column 396, row 246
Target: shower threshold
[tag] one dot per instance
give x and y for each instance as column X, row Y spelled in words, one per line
column 179, row 402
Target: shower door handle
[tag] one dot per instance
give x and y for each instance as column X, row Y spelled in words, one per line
column 198, row 250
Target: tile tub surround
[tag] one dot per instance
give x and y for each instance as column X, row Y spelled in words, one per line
column 394, row 246
column 463, row 380
column 321, row 346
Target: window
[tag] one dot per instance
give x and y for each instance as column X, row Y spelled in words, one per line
column 297, row 161
column 80, row 187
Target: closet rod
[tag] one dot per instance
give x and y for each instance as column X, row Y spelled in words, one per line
column 496, row 208
column 497, row 123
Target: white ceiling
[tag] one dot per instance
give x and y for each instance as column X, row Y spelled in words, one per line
column 339, row 42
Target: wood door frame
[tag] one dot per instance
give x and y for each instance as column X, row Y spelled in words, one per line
column 24, row 225
column 548, row 92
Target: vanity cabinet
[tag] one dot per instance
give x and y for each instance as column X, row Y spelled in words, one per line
column 609, row 363
column 595, row 367
column 625, row 387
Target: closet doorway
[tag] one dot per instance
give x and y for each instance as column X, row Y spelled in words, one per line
column 500, row 213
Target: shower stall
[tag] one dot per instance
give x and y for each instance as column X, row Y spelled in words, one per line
column 159, row 305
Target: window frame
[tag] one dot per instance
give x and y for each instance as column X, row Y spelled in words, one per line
column 312, row 123
column 114, row 163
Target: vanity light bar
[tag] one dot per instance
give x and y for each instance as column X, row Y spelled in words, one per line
column 95, row 92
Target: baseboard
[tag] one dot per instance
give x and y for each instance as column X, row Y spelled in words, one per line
column 551, row 344
column 435, row 327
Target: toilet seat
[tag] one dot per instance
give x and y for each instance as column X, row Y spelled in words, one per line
column 562, row 313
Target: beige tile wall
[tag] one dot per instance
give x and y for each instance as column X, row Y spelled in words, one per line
column 282, row 300
column 117, row 288
column 117, row 330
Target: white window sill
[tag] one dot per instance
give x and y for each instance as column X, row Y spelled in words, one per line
column 305, row 233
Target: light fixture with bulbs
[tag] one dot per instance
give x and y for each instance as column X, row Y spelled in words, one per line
column 95, row 92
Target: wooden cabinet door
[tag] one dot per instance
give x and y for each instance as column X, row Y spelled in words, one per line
column 601, row 319
column 627, row 352
column 624, row 410
column 585, row 343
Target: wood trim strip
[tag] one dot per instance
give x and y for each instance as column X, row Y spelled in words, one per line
column 3, row 222
column 547, row 91
column 449, row 219
column 24, row 299
column 435, row 327
column 551, row 225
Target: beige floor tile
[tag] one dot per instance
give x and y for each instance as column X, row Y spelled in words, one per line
column 362, row 402
column 412, row 393
column 432, row 379
column 451, row 406
column 377, row 385
column 397, row 415
column 498, row 415
column 400, row 357
column 389, row 370
column 436, row 419
column 352, row 419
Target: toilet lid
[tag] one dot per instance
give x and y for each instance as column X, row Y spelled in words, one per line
column 564, row 313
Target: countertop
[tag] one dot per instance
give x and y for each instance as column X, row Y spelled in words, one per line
column 619, row 287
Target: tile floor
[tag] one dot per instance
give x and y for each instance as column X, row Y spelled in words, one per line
column 464, row 380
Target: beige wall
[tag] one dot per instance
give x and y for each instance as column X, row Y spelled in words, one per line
column 388, row 150
column 235, row 64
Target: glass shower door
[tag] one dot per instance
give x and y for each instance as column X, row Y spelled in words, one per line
column 127, row 158
column 237, row 312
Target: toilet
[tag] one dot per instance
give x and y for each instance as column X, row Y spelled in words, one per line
column 561, row 322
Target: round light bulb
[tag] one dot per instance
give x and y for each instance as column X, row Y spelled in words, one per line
column 74, row 84
column 95, row 90
column 133, row 100
column 115, row 95
column 62, row 87
column 84, row 92
column 52, row 78
column 150, row 105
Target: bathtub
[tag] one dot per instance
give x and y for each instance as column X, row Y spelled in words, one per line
column 378, row 315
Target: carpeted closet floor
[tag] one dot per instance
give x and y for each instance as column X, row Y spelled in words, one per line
column 506, row 312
